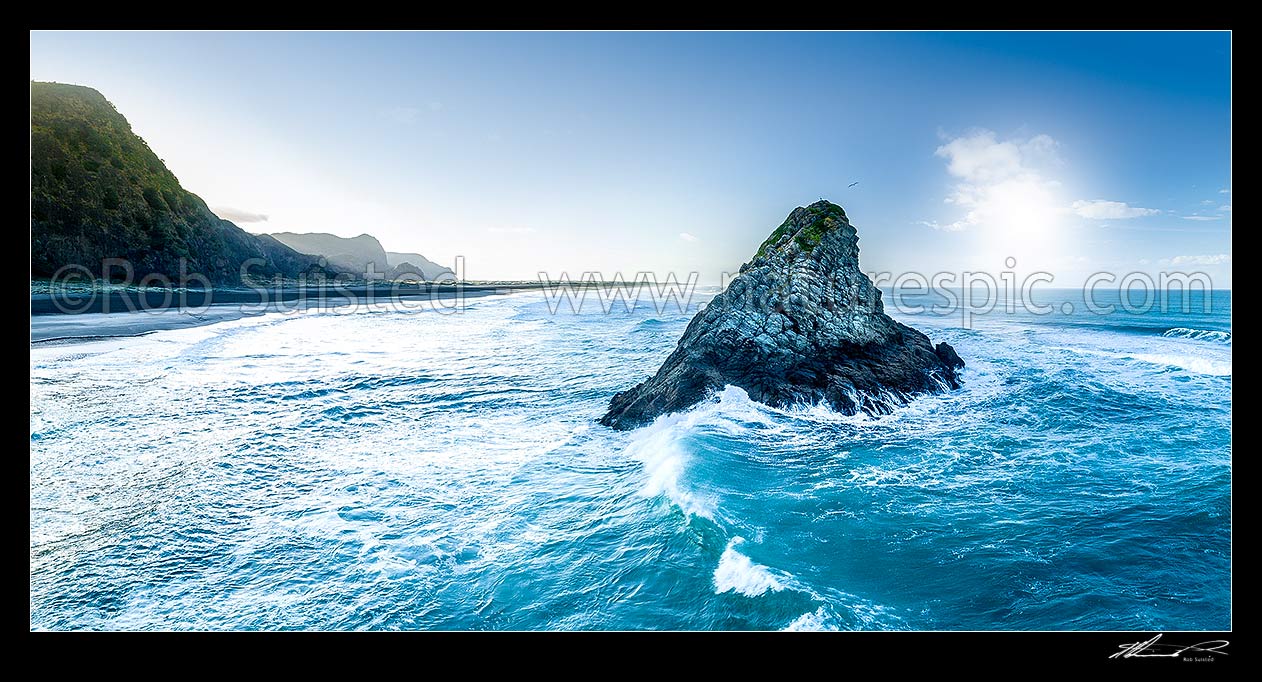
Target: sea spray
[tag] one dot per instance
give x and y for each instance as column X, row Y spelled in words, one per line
column 738, row 573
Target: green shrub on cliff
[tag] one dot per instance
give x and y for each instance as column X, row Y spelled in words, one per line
column 98, row 191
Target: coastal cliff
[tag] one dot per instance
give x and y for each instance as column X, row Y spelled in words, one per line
column 800, row 324
column 99, row 192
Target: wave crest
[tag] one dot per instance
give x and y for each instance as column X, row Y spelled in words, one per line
column 1198, row 335
column 738, row 573
column 819, row 620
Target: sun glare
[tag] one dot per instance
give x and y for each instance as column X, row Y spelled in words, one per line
column 1022, row 214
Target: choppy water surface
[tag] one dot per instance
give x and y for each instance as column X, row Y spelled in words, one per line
column 409, row 469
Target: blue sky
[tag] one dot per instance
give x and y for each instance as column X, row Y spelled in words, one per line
column 521, row 152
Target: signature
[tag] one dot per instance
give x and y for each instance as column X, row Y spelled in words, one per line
column 1154, row 649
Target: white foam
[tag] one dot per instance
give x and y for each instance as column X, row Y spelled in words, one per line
column 1191, row 363
column 657, row 446
column 814, row 621
column 1203, row 360
column 738, row 573
column 734, row 404
column 1198, row 335
column 660, row 446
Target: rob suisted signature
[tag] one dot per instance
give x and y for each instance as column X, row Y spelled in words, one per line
column 1153, row 648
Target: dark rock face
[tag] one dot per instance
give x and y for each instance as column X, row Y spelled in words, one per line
column 801, row 324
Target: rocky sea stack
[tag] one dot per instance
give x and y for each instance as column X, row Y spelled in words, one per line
column 800, row 324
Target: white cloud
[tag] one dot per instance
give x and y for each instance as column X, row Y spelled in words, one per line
column 1009, row 192
column 949, row 227
column 1201, row 217
column 1226, row 208
column 981, row 157
column 237, row 215
column 689, row 237
column 1208, row 202
column 1101, row 209
column 510, row 230
column 1213, row 259
column 1002, row 186
column 1225, row 190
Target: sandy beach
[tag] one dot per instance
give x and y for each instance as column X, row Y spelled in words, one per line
column 71, row 318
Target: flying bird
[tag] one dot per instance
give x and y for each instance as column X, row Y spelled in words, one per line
column 852, row 184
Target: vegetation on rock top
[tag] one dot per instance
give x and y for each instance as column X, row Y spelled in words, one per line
column 825, row 216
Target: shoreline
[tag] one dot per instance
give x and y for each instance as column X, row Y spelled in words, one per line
column 149, row 300
column 122, row 314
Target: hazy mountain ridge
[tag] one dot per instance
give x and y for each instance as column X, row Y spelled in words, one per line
column 400, row 259
column 357, row 254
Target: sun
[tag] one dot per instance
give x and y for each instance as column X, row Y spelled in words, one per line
column 1023, row 213
column 1021, row 218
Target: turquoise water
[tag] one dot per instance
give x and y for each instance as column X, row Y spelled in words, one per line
column 408, row 469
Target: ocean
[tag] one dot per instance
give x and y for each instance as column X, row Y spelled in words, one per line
column 409, row 469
